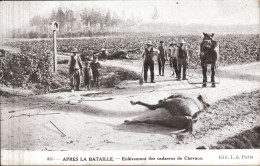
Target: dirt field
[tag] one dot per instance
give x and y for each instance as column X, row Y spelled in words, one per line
column 95, row 121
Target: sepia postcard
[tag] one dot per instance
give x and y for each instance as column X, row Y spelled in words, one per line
column 130, row 82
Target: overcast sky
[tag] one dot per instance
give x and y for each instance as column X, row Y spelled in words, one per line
column 214, row 12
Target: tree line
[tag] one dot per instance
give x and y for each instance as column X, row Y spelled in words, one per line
column 87, row 22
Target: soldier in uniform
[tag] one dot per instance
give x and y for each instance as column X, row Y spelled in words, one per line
column 162, row 57
column 75, row 69
column 183, row 59
column 148, row 55
column 174, row 51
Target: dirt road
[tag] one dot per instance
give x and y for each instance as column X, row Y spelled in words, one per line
column 95, row 122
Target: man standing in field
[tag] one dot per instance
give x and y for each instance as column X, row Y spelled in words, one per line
column 174, row 53
column 95, row 67
column 148, row 55
column 183, row 59
column 162, row 57
column 75, row 69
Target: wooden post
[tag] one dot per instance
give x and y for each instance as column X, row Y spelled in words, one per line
column 54, row 52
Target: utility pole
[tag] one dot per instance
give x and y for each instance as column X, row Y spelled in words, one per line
column 55, row 27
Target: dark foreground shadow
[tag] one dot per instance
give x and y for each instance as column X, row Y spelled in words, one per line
column 249, row 139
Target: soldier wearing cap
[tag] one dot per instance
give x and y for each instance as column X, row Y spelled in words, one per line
column 148, row 55
column 162, row 57
column 173, row 52
column 75, row 69
column 183, row 59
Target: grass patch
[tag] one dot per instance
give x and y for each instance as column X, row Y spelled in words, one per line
column 249, row 139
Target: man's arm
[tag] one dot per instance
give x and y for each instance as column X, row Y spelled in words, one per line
column 80, row 65
column 80, row 62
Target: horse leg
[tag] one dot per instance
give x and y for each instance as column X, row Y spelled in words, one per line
column 213, row 66
column 150, row 106
column 204, row 73
column 138, row 121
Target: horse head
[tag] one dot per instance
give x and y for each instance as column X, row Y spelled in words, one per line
column 208, row 36
column 207, row 40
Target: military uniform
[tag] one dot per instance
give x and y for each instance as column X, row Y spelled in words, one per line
column 75, row 69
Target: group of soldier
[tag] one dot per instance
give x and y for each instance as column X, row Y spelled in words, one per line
column 90, row 69
column 178, row 57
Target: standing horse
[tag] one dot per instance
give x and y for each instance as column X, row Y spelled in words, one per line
column 209, row 53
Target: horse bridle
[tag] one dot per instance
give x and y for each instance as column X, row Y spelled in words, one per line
column 207, row 43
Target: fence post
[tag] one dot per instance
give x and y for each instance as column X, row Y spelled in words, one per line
column 54, row 52
column 55, row 28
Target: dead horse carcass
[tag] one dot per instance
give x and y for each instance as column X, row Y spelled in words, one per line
column 184, row 111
